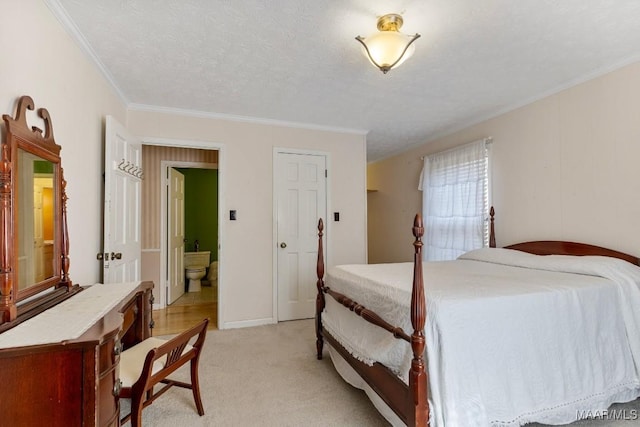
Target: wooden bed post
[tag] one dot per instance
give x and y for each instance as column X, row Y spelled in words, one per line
column 320, row 285
column 492, row 230
column 419, row 414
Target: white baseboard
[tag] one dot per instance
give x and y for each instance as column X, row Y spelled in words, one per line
column 248, row 323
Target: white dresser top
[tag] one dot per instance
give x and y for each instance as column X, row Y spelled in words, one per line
column 69, row 319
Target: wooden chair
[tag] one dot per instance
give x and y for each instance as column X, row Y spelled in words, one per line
column 150, row 362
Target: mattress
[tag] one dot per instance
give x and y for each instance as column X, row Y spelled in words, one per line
column 512, row 338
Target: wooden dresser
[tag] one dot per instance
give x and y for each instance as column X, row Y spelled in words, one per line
column 60, row 343
column 72, row 382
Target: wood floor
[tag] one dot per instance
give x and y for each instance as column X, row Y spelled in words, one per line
column 187, row 310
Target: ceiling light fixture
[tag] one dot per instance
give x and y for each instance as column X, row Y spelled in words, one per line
column 388, row 48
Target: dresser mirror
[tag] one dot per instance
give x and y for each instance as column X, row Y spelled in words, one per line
column 36, row 213
column 33, row 233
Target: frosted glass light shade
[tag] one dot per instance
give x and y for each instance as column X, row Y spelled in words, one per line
column 388, row 48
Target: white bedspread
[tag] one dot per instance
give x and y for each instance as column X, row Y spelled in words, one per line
column 511, row 337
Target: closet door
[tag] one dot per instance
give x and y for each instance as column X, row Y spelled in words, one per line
column 301, row 199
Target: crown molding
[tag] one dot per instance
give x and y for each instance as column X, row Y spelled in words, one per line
column 245, row 119
column 63, row 17
column 600, row 72
column 592, row 75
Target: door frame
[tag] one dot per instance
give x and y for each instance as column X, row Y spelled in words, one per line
column 274, row 196
column 164, row 218
column 201, row 145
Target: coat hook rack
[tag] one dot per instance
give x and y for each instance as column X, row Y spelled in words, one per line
column 131, row 169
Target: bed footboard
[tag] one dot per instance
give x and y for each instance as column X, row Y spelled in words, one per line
column 416, row 410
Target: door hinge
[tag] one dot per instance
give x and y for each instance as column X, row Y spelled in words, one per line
column 325, row 173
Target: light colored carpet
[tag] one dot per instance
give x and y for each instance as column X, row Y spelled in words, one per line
column 269, row 376
column 263, row 376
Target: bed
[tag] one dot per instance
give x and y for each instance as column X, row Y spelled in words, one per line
column 504, row 336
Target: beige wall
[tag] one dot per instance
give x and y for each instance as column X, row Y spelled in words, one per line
column 41, row 60
column 246, row 185
column 564, row 167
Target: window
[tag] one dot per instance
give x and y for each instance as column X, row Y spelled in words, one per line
column 455, row 201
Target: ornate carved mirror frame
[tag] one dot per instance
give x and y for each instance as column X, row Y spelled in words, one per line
column 20, row 303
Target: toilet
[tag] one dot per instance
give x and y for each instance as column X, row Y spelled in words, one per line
column 195, row 267
column 212, row 274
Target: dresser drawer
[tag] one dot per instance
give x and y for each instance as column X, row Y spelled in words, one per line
column 109, row 402
column 109, row 352
column 108, row 390
column 130, row 313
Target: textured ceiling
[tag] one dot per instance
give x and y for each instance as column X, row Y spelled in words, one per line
column 297, row 61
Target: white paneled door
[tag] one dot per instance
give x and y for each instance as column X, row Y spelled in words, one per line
column 301, row 199
column 122, row 204
column 175, row 228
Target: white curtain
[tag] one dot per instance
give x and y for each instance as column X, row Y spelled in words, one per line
column 455, row 200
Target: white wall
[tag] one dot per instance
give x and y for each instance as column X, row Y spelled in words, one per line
column 246, row 171
column 564, row 168
column 41, row 60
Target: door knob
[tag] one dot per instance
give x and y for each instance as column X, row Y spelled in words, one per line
column 283, row 245
column 116, row 255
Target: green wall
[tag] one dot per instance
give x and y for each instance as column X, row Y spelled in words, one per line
column 201, row 209
column 42, row 166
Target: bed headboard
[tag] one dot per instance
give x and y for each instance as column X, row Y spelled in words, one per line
column 555, row 247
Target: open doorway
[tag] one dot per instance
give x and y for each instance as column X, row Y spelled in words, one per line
column 199, row 225
column 199, row 167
